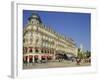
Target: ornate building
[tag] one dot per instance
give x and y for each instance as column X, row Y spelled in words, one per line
column 43, row 43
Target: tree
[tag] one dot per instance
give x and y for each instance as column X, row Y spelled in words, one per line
column 88, row 54
column 79, row 53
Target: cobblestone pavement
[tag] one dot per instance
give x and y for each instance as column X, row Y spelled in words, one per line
column 54, row 64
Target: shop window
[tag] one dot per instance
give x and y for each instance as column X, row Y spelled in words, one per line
column 30, row 59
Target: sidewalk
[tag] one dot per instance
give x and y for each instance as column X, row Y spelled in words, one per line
column 54, row 64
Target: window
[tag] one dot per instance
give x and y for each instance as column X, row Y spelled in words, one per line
column 23, row 40
column 37, row 41
column 36, row 50
column 30, row 49
column 48, row 51
column 45, row 51
column 42, row 51
column 31, row 40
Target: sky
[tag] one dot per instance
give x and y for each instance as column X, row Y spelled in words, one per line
column 74, row 25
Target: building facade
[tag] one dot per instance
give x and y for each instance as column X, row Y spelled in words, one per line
column 43, row 43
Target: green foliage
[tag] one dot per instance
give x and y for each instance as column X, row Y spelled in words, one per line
column 83, row 55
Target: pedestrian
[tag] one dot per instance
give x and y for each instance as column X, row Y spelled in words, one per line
column 78, row 60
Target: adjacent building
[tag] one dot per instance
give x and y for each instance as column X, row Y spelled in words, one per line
column 40, row 42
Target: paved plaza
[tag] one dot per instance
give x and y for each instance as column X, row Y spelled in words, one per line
column 54, row 64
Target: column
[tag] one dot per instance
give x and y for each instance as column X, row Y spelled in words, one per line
column 33, row 51
column 33, row 58
column 39, row 57
column 28, row 59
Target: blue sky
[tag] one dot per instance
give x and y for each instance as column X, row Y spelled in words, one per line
column 74, row 25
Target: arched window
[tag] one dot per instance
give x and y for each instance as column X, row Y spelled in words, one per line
column 36, row 50
column 48, row 51
column 42, row 51
column 30, row 49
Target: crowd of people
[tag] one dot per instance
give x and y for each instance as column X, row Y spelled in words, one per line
column 61, row 58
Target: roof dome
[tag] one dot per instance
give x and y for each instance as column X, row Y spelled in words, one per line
column 35, row 16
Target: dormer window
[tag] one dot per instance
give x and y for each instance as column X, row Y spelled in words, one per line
column 34, row 19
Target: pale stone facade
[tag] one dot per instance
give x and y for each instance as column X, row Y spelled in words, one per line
column 40, row 41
